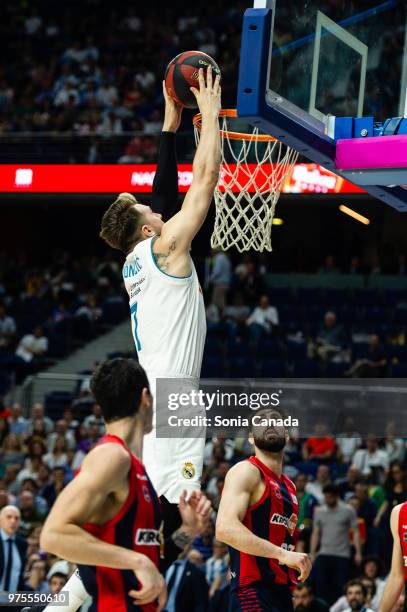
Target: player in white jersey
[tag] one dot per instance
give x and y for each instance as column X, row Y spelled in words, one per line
column 166, row 302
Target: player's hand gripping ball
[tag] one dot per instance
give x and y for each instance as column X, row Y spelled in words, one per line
column 182, row 73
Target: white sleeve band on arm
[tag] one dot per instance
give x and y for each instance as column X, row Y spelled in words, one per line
column 76, row 595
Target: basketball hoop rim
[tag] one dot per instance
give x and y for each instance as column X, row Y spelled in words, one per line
column 232, row 114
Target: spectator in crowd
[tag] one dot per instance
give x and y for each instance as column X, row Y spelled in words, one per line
column 371, row 568
column 304, row 600
column 236, row 314
column 316, row 487
column 58, row 576
column 17, row 423
column 219, row 602
column 30, row 515
column 36, row 573
column 38, row 413
column 13, row 550
column 52, row 489
column 33, row 347
column 347, row 484
column 331, row 340
column 307, row 502
column 96, row 419
column 356, row 595
column 7, row 330
column 186, row 586
column 371, row 459
column 58, row 457
column 12, row 451
column 395, row 486
column 393, row 445
column 332, row 523
column 367, row 510
column 263, row 321
column 220, row 278
column 348, row 441
column 374, row 364
column 216, row 567
column 61, row 430
column 29, row 484
column 320, row 447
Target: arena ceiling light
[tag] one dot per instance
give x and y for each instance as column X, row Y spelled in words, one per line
column 352, row 213
column 278, row 221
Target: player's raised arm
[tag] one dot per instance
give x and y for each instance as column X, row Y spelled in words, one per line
column 240, row 483
column 395, row 580
column 178, row 233
column 164, row 198
column 85, row 498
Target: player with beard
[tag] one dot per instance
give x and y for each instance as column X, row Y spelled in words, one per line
column 257, row 517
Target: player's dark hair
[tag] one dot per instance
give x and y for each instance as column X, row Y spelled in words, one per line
column 121, row 223
column 271, row 413
column 355, row 582
column 117, row 385
column 331, row 489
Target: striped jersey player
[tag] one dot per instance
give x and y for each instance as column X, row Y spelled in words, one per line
column 107, row 520
column 257, row 518
column 166, row 302
column 135, row 527
column 396, row 583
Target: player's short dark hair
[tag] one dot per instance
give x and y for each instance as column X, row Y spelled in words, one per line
column 117, row 385
column 355, row 582
column 331, row 489
column 121, row 223
column 274, row 413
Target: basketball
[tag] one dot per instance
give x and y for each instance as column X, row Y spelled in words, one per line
column 182, row 73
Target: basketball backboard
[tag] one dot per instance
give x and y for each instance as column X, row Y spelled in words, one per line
column 304, row 61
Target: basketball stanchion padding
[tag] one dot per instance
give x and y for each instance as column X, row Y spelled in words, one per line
column 254, row 169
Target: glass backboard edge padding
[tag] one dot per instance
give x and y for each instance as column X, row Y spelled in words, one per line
column 280, row 121
column 324, row 22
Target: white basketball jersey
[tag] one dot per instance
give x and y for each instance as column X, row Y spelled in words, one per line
column 167, row 315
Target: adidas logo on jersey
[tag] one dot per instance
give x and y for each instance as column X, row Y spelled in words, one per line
column 147, row 537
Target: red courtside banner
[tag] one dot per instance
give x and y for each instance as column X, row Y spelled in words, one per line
column 138, row 178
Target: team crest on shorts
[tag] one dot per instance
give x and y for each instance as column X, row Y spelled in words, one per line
column 188, row 471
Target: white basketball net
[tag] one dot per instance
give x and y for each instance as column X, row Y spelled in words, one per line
column 252, row 174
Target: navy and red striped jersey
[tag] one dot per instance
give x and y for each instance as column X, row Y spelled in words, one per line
column 136, row 526
column 402, row 530
column 274, row 518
